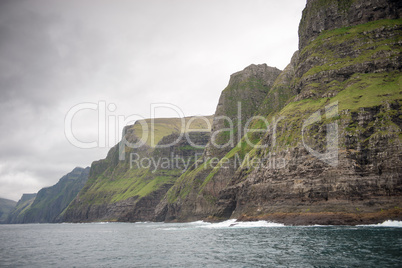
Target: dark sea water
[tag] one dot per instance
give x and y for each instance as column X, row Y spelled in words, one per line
column 199, row 244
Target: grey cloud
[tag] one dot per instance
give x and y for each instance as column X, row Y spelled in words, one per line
column 55, row 54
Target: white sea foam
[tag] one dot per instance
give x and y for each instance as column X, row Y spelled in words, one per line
column 387, row 223
column 233, row 223
column 198, row 222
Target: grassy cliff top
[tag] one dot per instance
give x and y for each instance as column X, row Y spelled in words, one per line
column 162, row 127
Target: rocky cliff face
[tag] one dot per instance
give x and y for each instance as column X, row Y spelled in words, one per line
column 282, row 90
column 294, row 186
column 333, row 58
column 49, row 203
column 129, row 189
column 332, row 152
column 196, row 192
column 238, row 102
column 323, row 15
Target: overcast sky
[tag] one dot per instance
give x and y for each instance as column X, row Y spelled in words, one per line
column 57, row 54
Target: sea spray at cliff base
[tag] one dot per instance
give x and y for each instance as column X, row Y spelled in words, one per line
column 234, row 224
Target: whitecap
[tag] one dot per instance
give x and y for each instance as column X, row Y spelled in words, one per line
column 388, row 223
column 233, row 223
column 198, row 223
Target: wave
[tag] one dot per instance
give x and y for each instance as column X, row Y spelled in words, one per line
column 388, row 223
column 198, row 222
column 233, row 223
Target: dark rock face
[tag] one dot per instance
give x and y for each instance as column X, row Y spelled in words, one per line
column 182, row 147
column 367, row 177
column 334, row 57
column 49, row 203
column 282, row 90
column 322, row 15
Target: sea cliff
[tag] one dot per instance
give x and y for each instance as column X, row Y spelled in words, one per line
column 316, row 143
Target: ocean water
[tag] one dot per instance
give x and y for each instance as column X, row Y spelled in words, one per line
column 200, row 244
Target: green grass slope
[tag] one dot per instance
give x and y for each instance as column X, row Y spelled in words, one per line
column 113, row 181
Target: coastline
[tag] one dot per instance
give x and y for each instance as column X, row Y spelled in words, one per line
column 328, row 218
